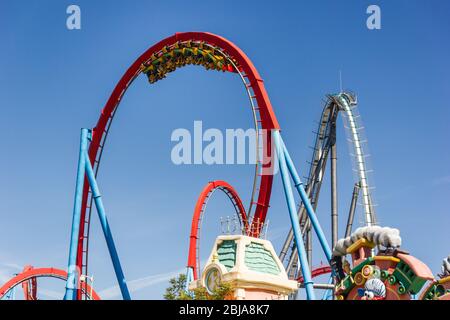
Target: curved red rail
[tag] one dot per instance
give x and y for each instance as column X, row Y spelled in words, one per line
column 193, row 261
column 29, row 289
column 31, row 273
column 318, row 271
column 268, row 122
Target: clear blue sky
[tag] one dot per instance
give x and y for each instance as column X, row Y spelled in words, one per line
column 54, row 81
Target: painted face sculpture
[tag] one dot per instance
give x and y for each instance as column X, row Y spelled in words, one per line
column 374, row 289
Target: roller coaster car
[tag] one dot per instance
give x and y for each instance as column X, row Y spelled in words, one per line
column 185, row 53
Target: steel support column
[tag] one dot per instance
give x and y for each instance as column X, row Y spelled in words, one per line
column 107, row 231
column 189, row 278
column 85, row 171
column 306, row 202
column 351, row 213
column 73, row 273
column 293, row 216
column 334, row 196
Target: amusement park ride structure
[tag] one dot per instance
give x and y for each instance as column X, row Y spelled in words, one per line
column 212, row 52
column 28, row 279
column 324, row 147
column 216, row 53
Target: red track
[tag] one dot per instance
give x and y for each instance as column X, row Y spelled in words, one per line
column 31, row 273
column 193, row 259
column 268, row 122
column 29, row 289
column 318, row 271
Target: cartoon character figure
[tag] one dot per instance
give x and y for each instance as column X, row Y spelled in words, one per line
column 346, row 266
column 374, row 289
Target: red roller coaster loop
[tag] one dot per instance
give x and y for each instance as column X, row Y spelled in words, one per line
column 193, row 259
column 29, row 287
column 31, row 273
column 267, row 121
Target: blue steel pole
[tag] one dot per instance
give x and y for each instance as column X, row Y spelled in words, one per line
column 307, row 203
column 107, row 231
column 294, row 219
column 72, row 272
column 328, row 292
column 189, row 277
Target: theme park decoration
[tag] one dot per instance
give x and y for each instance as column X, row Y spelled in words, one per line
column 439, row 289
column 390, row 274
column 250, row 265
column 374, row 289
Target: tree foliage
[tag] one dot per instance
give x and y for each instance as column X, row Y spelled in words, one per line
column 176, row 291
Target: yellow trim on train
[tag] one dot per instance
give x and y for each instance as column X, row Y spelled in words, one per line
column 360, row 243
column 386, row 258
column 444, row 280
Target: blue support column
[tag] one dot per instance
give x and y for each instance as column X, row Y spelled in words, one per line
column 72, row 273
column 10, row 295
column 328, row 292
column 307, row 203
column 107, row 231
column 293, row 216
column 189, row 277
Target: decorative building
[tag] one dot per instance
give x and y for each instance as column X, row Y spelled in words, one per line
column 250, row 265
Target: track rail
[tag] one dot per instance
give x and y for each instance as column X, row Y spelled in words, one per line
column 318, row 271
column 318, row 164
column 261, row 106
column 200, row 208
column 33, row 273
column 344, row 103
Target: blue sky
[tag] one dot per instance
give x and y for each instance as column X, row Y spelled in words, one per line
column 54, row 81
